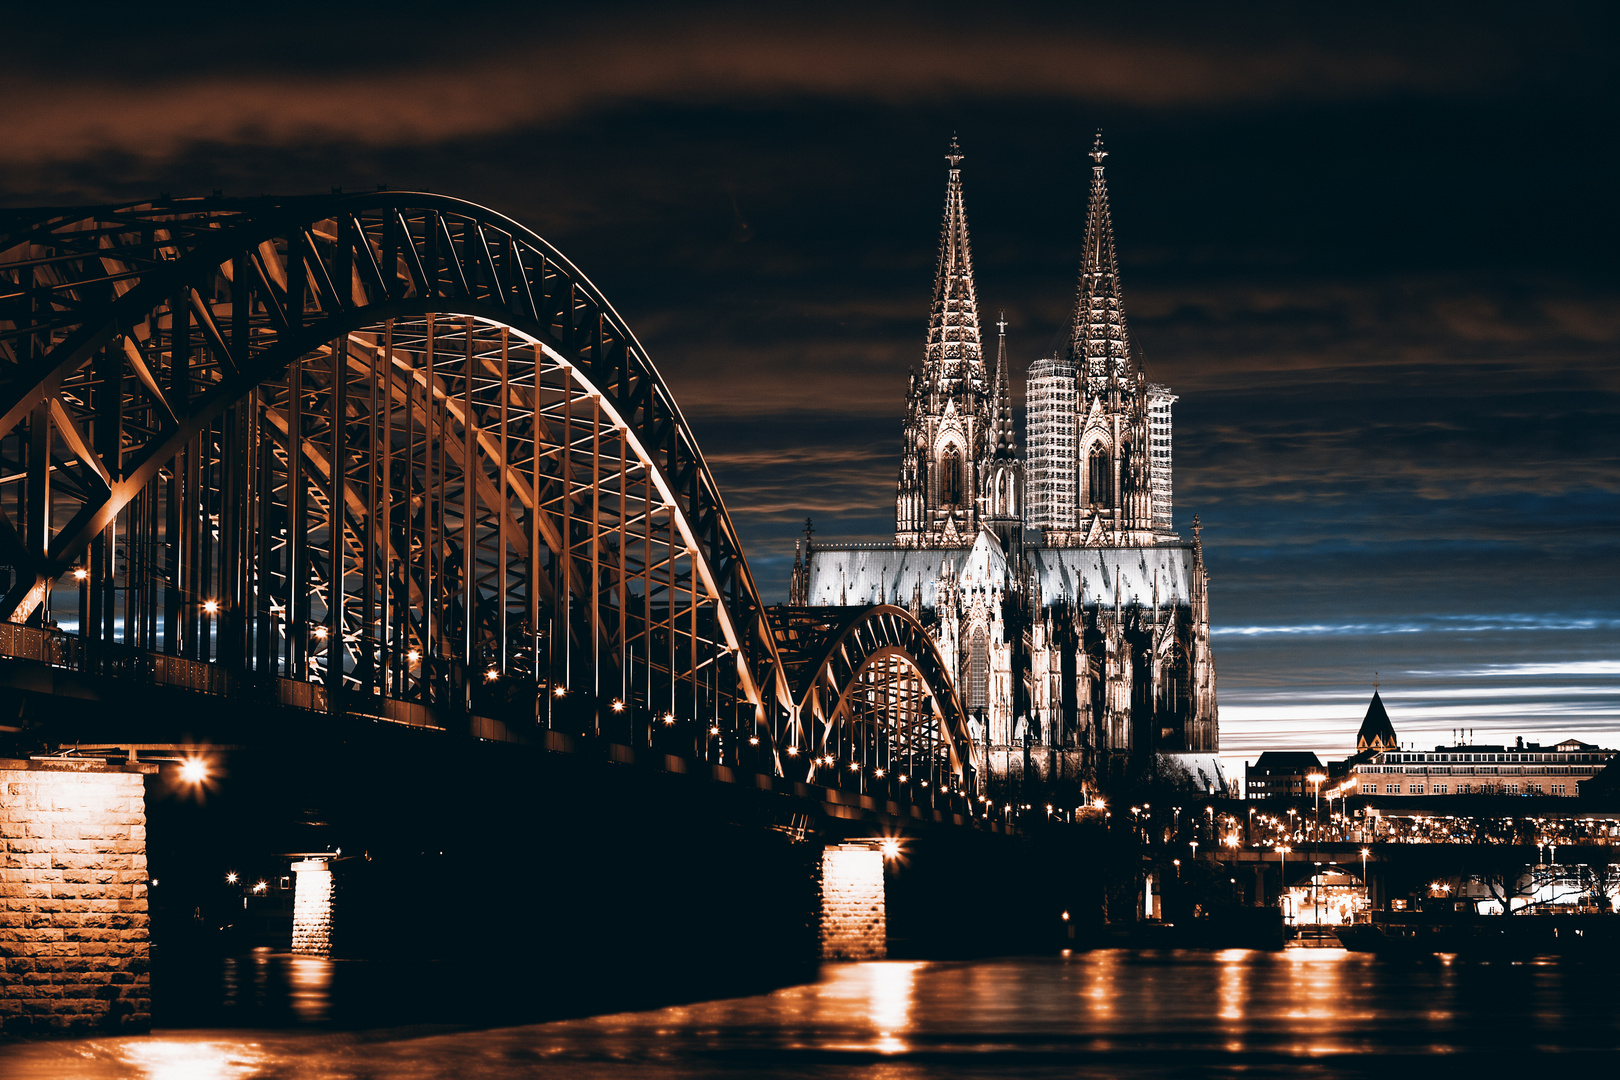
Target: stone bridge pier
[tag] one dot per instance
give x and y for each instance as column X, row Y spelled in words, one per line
column 75, row 946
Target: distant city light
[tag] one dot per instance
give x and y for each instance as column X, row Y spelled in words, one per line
column 194, row 770
column 261, row 886
column 413, row 656
column 80, row 574
column 231, row 878
column 491, row 675
column 561, row 691
column 618, row 706
column 793, row 751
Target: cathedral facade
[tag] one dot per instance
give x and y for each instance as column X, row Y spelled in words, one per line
column 1074, row 616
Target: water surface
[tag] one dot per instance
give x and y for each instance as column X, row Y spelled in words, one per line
column 1108, row 1013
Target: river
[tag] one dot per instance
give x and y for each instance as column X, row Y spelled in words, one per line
column 1104, row 1013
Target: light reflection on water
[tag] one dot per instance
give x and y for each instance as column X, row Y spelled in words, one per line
column 1106, row 1013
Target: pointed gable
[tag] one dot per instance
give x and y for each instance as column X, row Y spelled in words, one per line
column 1376, row 733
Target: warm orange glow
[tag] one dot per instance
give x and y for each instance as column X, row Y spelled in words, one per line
column 231, row 878
column 753, row 740
column 793, row 751
column 491, row 675
column 194, row 770
column 211, row 607
column 260, row 886
column 561, row 691
column 669, row 718
column 618, row 706
column 320, row 633
column 413, row 656
column 80, row 574
column 891, row 848
column 714, row 729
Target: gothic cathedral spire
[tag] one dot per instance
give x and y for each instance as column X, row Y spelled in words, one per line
column 1112, row 463
column 954, row 348
column 951, row 427
column 1099, row 345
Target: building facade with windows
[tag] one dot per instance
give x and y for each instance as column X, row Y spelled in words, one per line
column 1522, row 769
column 1283, row 774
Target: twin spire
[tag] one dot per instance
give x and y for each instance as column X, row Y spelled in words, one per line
column 1099, row 343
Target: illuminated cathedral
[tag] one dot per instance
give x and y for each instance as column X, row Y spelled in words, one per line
column 1075, row 618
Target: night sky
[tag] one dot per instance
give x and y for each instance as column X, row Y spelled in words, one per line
column 1374, row 251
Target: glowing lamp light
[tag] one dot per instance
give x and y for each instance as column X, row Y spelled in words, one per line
column 211, row 607
column 260, row 886
column 904, row 778
column 194, row 770
column 320, row 633
column 854, row 766
column 561, row 691
column 80, row 574
column 413, row 656
column 793, row 751
column 878, row 773
column 669, row 718
column 491, row 675
column 753, row 740
column 618, row 706
column 231, row 878
column 714, row 729
column 891, row 848
column 1065, row 916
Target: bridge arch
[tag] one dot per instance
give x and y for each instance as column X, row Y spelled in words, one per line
column 394, row 443
column 873, row 693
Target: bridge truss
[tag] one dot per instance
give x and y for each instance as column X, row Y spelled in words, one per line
column 397, row 447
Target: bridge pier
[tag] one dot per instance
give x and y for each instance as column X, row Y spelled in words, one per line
column 314, row 897
column 854, row 915
column 75, row 944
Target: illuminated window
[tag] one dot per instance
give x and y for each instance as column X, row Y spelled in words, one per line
column 1417, row 789
column 1439, row 789
column 1392, row 789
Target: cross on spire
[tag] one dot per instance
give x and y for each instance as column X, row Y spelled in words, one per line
column 1097, row 151
column 954, row 155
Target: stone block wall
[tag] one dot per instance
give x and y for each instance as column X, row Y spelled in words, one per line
column 854, row 922
column 75, row 945
column 312, row 907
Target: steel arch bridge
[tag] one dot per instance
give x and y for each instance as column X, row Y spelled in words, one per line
column 394, row 446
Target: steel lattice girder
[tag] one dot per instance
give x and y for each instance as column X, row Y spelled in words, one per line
column 126, row 332
column 828, row 654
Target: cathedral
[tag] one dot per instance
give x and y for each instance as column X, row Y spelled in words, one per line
column 1052, row 579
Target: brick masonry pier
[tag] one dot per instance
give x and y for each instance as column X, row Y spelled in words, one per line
column 854, row 924
column 75, row 944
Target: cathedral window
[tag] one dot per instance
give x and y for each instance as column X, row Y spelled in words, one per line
column 979, row 670
column 950, row 479
column 1101, row 488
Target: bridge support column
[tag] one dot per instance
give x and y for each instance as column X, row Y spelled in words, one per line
column 75, row 942
column 854, row 919
column 313, row 901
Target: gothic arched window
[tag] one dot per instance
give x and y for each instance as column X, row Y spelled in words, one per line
column 979, row 670
column 1101, row 487
column 950, row 478
column 1127, row 483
